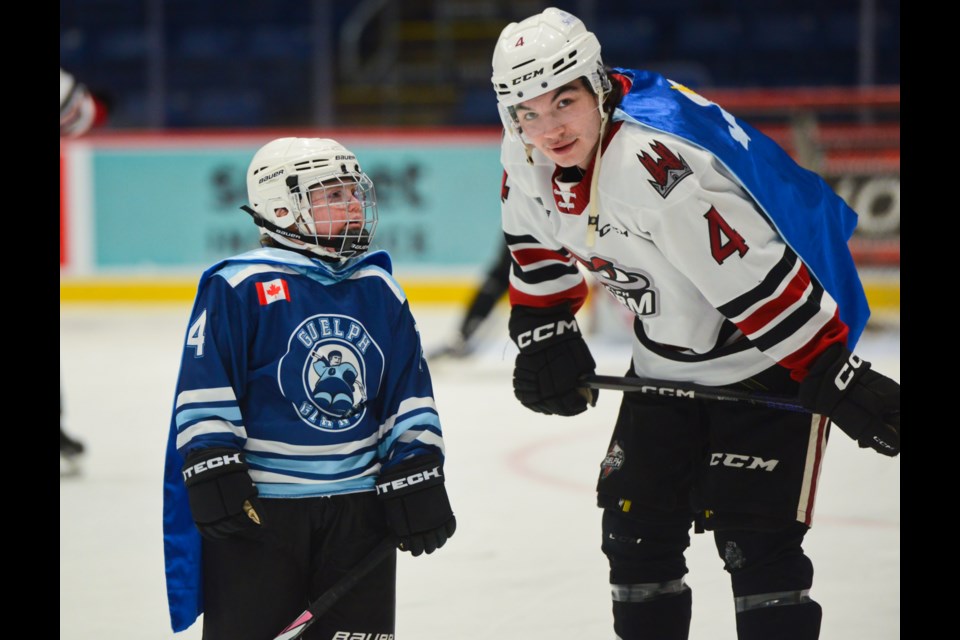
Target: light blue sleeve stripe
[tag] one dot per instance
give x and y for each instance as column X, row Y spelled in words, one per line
column 316, row 466
column 206, row 396
column 231, row 413
column 428, row 419
column 366, row 272
column 236, row 273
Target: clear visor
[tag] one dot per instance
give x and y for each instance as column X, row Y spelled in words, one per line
column 535, row 123
column 339, row 213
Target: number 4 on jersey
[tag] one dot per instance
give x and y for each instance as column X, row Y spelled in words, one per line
column 196, row 334
column 724, row 239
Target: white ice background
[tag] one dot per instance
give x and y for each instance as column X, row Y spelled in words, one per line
column 525, row 561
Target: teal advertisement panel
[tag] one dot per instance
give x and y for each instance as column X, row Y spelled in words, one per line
column 179, row 207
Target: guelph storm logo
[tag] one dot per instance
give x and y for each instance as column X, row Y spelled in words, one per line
column 613, row 461
column 324, row 372
column 633, row 289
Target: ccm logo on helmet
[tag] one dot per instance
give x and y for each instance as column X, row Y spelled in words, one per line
column 546, row 332
column 212, row 463
column 528, row 76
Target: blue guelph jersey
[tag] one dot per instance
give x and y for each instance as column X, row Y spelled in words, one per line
column 315, row 372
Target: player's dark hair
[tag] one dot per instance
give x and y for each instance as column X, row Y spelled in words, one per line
column 613, row 97
column 617, row 90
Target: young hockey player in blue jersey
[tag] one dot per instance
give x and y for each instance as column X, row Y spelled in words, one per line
column 304, row 429
column 734, row 261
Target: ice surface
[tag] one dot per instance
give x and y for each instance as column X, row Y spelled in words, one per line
column 526, row 560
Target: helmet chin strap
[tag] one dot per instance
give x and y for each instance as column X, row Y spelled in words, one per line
column 358, row 242
column 593, row 218
column 266, row 225
column 528, row 148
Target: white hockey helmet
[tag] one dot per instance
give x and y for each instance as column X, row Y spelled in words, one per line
column 310, row 193
column 540, row 54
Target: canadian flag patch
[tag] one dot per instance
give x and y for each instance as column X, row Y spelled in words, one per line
column 272, row 291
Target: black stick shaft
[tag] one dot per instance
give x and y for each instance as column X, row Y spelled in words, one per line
column 322, row 604
column 666, row 388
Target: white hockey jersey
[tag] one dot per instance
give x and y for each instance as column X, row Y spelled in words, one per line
column 718, row 293
column 78, row 109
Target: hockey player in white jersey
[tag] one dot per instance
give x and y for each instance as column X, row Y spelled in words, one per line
column 80, row 111
column 304, row 429
column 734, row 261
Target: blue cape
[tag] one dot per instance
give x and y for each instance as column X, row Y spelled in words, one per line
column 810, row 217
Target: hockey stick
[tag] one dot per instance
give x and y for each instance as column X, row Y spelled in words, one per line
column 322, row 604
column 692, row 391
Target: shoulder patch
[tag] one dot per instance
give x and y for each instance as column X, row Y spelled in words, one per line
column 272, row 291
column 667, row 168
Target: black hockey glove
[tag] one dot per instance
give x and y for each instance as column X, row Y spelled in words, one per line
column 416, row 504
column 862, row 402
column 223, row 498
column 553, row 357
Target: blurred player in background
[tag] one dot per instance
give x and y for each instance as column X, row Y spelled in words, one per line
column 495, row 284
column 734, row 261
column 304, row 430
column 80, row 111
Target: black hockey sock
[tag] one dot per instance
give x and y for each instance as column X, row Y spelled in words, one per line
column 789, row 622
column 663, row 618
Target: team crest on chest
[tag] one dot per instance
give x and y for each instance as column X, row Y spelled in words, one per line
column 325, row 372
column 666, row 167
